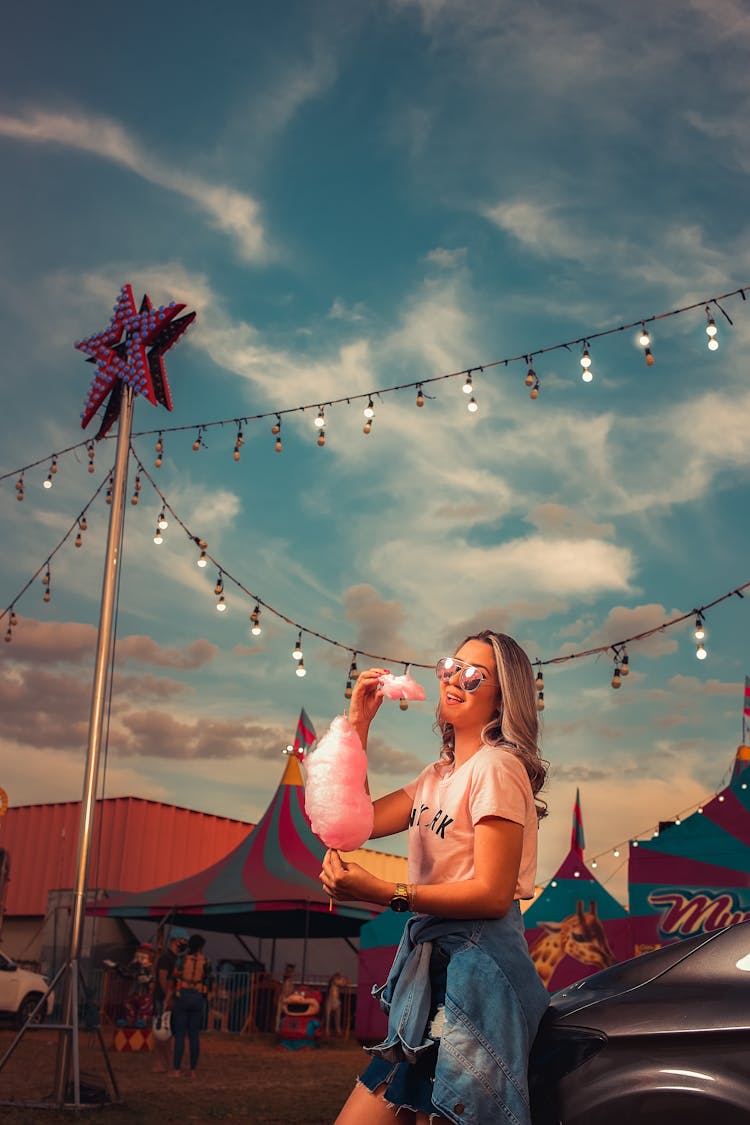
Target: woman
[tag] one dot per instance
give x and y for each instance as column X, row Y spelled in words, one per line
column 463, row 997
column 192, row 980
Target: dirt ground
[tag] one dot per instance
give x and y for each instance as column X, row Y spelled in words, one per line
column 240, row 1078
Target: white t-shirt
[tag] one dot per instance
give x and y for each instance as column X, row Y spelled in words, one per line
column 445, row 810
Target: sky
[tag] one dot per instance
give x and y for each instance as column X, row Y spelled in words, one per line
column 355, row 198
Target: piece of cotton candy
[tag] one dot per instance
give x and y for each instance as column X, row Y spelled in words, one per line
column 401, row 687
column 339, row 808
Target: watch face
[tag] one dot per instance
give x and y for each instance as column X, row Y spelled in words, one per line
column 399, row 904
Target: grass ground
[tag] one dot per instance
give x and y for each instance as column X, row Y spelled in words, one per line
column 240, row 1078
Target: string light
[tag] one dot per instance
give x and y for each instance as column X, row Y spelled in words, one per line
column 539, row 685
column 420, row 395
column 467, row 388
column 530, row 375
column 136, row 489
column 19, row 488
column 369, row 410
column 159, row 447
column 300, row 669
column 700, row 651
column 616, row 682
column 198, row 440
column 586, row 374
column 219, row 587
column 256, row 629
column 92, row 453
column 711, row 331
column 297, row 651
column 52, row 470
column 239, row 442
column 704, row 303
column 158, row 537
column 321, row 438
column 472, row 405
column 624, row 664
column 276, row 431
column 47, row 583
column 221, row 605
column 320, row 421
column 162, row 522
column 202, row 546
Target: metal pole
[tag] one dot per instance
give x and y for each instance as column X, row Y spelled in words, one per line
column 96, row 725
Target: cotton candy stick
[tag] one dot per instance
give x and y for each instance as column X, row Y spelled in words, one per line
column 339, row 808
column 401, row 687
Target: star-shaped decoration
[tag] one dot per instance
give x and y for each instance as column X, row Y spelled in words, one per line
column 131, row 350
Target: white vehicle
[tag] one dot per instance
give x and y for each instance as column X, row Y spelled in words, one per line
column 20, row 989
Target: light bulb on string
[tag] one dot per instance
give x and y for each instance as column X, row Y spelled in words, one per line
column 540, row 701
column 367, row 426
column 468, row 387
column 420, row 395
column 297, row 650
column 19, row 488
column 616, row 682
column 51, row 473
column 276, row 430
column 616, row 853
column 348, row 690
column 221, row 605
column 162, row 521
column 586, row 373
column 353, row 669
column 159, row 448
column 79, row 539
column 534, row 392
column 300, row 670
column 8, row 635
column 530, row 375
column 369, row 410
column 239, row 442
column 219, row 587
column 12, row 620
column 700, row 651
column 256, row 629
column 711, row 331
column 47, row 583
column 624, row 664
column 202, row 560
column 320, row 420
column 644, row 339
column 472, row 405
column 198, row 440
column 92, row 453
column 136, row 490
column 321, row 438
column 158, row 537
column 699, row 632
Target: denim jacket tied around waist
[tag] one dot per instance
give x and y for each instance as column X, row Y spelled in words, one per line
column 493, row 1004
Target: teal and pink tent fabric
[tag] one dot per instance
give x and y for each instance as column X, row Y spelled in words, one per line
column 575, row 927
column 267, row 886
column 694, row 876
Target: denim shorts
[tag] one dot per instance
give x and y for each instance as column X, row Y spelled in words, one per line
column 409, row 1085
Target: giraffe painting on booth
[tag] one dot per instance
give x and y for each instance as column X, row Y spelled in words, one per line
column 580, row 935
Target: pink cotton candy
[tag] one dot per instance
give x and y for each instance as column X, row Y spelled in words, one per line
column 339, row 808
column 401, row 687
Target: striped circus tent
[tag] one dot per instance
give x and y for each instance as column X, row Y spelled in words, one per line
column 575, row 926
column 694, row 875
column 267, row 886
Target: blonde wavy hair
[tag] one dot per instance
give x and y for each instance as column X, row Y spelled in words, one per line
column 515, row 725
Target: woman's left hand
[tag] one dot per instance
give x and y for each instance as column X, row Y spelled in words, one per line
column 346, row 880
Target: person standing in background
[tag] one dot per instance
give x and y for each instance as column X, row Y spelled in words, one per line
column 193, row 979
column 163, row 973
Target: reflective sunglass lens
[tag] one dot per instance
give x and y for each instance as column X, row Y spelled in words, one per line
column 470, row 678
column 445, row 668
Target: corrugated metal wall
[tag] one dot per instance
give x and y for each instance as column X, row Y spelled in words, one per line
column 136, row 844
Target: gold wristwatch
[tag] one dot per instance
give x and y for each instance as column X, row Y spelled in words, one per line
column 400, row 900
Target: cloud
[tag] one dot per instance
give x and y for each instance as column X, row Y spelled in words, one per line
column 554, row 519
column 145, row 650
column 378, row 622
column 155, row 734
column 629, row 621
column 446, row 259
column 340, row 310
column 228, row 210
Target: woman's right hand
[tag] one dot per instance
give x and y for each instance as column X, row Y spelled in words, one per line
column 366, row 697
